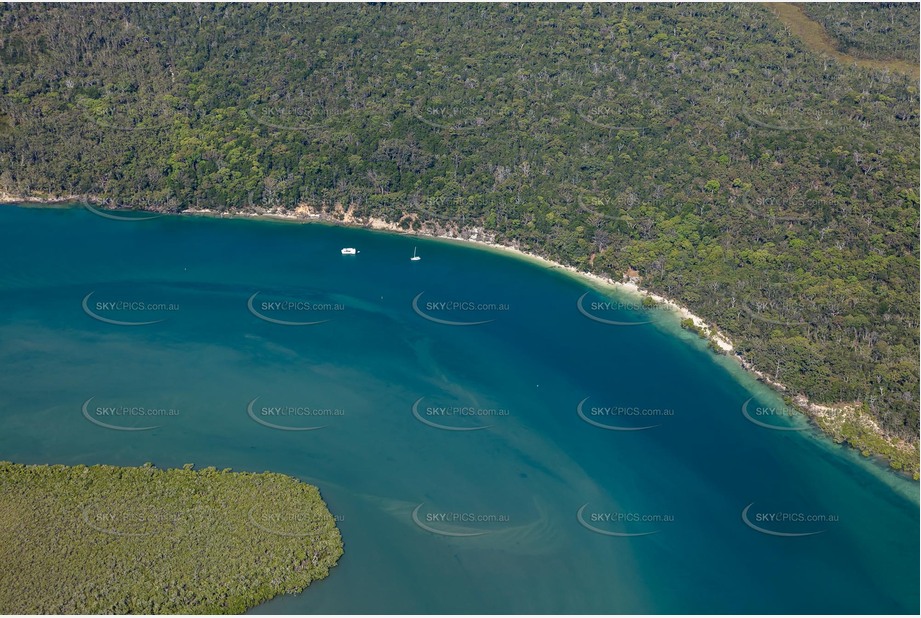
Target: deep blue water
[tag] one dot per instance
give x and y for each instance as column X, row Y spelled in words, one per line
column 521, row 478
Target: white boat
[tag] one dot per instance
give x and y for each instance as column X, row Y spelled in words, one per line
column 415, row 258
column 349, row 251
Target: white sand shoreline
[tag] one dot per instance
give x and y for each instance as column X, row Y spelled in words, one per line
column 306, row 214
column 824, row 416
column 632, row 289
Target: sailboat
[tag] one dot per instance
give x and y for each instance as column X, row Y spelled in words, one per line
column 415, row 258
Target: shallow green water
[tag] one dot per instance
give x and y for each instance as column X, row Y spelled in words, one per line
column 520, row 476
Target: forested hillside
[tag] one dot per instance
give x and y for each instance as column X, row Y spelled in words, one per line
column 871, row 29
column 773, row 191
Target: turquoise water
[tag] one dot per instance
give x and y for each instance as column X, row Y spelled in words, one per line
column 516, row 474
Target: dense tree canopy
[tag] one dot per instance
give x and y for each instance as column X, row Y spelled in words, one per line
column 871, row 29
column 772, row 190
column 109, row 540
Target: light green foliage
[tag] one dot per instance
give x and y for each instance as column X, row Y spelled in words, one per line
column 688, row 324
column 103, row 539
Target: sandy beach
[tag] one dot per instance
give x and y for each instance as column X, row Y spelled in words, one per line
column 826, row 417
column 305, row 213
